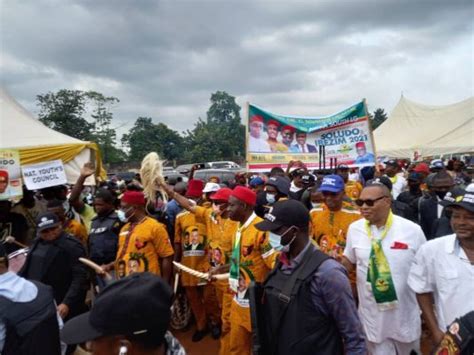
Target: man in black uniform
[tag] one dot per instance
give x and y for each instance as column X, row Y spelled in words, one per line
column 53, row 260
column 28, row 318
column 105, row 228
column 307, row 305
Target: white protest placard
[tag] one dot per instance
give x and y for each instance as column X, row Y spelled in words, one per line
column 42, row 175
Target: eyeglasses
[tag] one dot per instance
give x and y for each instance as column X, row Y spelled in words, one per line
column 369, row 203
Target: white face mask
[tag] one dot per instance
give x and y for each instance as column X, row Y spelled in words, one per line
column 275, row 241
column 122, row 215
column 271, row 198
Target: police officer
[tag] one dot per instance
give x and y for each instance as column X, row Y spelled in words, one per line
column 28, row 319
column 105, row 228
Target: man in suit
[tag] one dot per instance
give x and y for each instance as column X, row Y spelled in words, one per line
column 301, row 146
column 53, row 260
column 429, row 209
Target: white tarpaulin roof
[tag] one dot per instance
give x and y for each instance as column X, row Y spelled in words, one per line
column 428, row 130
column 19, row 129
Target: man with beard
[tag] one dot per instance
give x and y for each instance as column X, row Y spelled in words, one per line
column 287, row 136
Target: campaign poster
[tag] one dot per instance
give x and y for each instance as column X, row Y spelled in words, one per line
column 319, row 142
column 10, row 175
column 42, row 175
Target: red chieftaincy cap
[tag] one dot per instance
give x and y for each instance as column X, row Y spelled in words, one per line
column 422, row 168
column 360, row 145
column 244, row 194
column 134, row 198
column 4, row 174
column 256, row 118
column 195, row 188
column 288, row 128
column 273, row 122
column 222, row 194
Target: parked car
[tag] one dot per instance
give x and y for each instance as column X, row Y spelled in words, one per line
column 172, row 177
column 223, row 165
column 226, row 176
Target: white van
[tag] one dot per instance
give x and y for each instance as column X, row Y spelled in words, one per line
column 223, row 165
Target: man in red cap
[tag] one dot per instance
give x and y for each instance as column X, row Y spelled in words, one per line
column 251, row 259
column 3, row 181
column 363, row 157
column 272, row 132
column 190, row 225
column 256, row 143
column 219, row 229
column 423, row 169
column 143, row 243
column 287, row 135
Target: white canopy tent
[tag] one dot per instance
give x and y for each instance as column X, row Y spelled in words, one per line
column 426, row 130
column 37, row 143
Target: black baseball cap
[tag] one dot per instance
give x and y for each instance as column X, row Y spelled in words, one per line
column 465, row 201
column 282, row 184
column 382, row 180
column 47, row 220
column 452, row 196
column 416, row 177
column 391, row 162
column 137, row 304
column 285, row 213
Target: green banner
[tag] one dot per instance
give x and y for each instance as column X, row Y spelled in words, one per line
column 311, row 124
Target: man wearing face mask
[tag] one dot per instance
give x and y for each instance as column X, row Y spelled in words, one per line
column 414, row 192
column 307, row 305
column 276, row 188
column 429, row 209
column 143, row 243
column 252, row 257
column 202, row 297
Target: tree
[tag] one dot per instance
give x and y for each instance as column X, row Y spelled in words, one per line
column 379, row 117
column 145, row 137
column 221, row 136
column 63, row 111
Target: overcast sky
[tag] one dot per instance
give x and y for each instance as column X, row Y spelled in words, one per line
column 163, row 59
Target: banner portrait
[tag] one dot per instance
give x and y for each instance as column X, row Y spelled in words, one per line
column 319, row 142
column 10, row 174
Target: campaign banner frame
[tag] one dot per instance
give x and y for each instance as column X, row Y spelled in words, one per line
column 10, row 175
column 43, row 175
column 319, row 142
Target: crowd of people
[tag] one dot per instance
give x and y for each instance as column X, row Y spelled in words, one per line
column 366, row 261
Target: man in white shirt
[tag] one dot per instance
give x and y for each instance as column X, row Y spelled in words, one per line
column 29, row 323
column 256, row 143
column 443, row 271
column 383, row 246
column 399, row 183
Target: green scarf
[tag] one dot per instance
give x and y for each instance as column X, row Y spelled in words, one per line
column 235, row 258
column 379, row 276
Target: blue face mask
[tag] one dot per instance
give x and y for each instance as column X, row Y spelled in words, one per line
column 275, row 241
column 271, row 198
column 122, row 215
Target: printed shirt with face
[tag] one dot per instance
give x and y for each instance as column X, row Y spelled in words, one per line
column 257, row 257
column 329, row 229
column 353, row 189
column 195, row 259
column 141, row 249
column 220, row 232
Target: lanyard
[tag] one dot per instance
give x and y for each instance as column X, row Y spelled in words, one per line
column 388, row 225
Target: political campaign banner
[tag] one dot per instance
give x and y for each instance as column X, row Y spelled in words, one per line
column 319, row 142
column 42, row 175
column 10, row 175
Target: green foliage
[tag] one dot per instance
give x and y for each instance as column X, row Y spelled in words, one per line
column 379, row 117
column 63, row 111
column 146, row 137
column 221, row 136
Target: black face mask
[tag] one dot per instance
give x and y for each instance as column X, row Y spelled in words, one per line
column 441, row 194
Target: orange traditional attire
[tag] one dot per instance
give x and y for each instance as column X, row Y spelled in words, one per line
column 353, row 189
column 192, row 237
column 257, row 258
column 140, row 247
column 76, row 229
